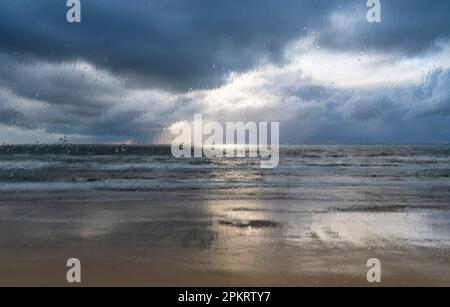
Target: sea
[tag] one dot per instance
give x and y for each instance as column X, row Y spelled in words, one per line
column 363, row 176
column 315, row 219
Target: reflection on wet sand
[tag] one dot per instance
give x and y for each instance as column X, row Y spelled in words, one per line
column 137, row 216
column 222, row 243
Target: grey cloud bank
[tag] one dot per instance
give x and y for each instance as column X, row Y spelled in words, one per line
column 131, row 69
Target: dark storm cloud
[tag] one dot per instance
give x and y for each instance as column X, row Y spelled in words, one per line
column 185, row 43
column 77, row 98
column 408, row 27
column 177, row 43
column 395, row 115
column 124, row 71
column 194, row 43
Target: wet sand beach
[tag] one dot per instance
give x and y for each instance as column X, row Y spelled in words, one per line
column 223, row 243
column 232, row 225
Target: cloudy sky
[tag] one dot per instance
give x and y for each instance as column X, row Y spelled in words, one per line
column 133, row 68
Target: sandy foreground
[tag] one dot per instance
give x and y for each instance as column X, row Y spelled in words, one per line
column 220, row 243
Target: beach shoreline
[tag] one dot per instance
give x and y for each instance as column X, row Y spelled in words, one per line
column 138, row 216
column 211, row 243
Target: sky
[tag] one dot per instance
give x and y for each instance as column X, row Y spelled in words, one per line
column 132, row 69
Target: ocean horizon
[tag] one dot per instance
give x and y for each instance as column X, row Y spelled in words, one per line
column 206, row 221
